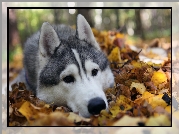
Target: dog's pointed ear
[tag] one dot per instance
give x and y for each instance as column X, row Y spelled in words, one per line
column 84, row 32
column 47, row 43
column 48, row 40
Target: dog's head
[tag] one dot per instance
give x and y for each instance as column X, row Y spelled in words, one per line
column 73, row 70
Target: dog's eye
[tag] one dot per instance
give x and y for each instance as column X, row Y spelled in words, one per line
column 94, row 72
column 69, row 79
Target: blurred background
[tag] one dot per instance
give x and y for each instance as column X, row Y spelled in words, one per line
column 146, row 24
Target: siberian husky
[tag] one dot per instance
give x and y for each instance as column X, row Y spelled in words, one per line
column 66, row 67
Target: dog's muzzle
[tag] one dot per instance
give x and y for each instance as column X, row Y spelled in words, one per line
column 95, row 105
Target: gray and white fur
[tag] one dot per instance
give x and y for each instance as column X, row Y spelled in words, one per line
column 67, row 67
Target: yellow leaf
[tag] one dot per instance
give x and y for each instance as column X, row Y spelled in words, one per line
column 119, row 35
column 105, row 113
column 129, row 121
column 138, row 100
column 160, row 120
column 53, row 119
column 28, row 111
column 147, row 95
column 157, row 101
column 168, row 109
column 104, row 117
column 115, row 55
column 95, row 32
column 136, row 64
column 139, row 87
column 76, row 118
column 158, row 78
column 154, row 100
column 122, row 105
column 123, row 99
column 124, row 50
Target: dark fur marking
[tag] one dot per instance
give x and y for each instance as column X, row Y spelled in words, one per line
column 61, row 57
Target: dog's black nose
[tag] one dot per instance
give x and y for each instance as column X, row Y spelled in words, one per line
column 95, row 105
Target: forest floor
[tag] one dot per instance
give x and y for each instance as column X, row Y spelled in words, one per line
column 145, row 100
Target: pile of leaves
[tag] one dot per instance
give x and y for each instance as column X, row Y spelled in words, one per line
column 141, row 95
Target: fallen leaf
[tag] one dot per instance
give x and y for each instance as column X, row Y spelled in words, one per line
column 139, row 87
column 129, row 121
column 159, row 77
column 160, row 120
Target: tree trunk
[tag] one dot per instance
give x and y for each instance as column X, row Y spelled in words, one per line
column 56, row 13
column 13, row 31
column 139, row 28
column 117, row 18
column 87, row 14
